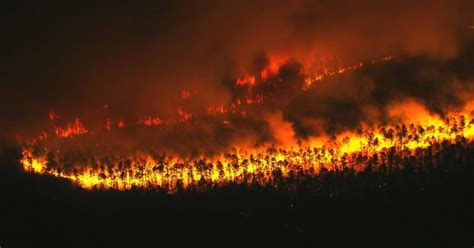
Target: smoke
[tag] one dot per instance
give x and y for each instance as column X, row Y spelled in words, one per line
column 137, row 58
column 368, row 95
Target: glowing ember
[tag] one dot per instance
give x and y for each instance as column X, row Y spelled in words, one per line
column 184, row 115
column 150, row 121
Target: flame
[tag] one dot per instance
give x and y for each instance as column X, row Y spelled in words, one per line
column 414, row 128
column 258, row 165
column 216, row 110
column 150, row 121
column 184, row 115
column 323, row 71
column 71, row 129
column 32, row 163
column 246, row 81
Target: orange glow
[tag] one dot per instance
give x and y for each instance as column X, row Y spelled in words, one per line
column 71, row 129
column 412, row 128
column 259, row 165
column 108, row 124
column 275, row 63
column 185, row 94
column 120, row 124
column 32, row 163
column 324, row 71
column 264, row 74
column 273, row 66
column 43, row 136
column 216, row 110
column 149, row 121
column 184, row 115
column 246, row 81
column 53, row 115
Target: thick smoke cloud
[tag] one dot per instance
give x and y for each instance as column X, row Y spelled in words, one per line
column 137, row 57
column 365, row 96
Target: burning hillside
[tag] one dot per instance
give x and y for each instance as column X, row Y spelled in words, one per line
column 247, row 123
column 217, row 93
column 266, row 166
column 155, row 152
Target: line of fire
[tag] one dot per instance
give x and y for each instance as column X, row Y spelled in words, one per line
column 416, row 133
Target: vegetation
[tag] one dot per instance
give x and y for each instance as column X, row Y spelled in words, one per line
column 412, row 201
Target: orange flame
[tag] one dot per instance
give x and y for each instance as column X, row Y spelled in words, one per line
column 71, row 129
column 149, row 121
column 259, row 165
column 246, row 81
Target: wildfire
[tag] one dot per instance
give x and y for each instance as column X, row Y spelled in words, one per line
column 248, row 80
column 36, row 164
column 263, row 166
column 313, row 73
column 109, row 124
column 71, row 129
column 324, row 71
column 150, row 121
column 417, row 131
